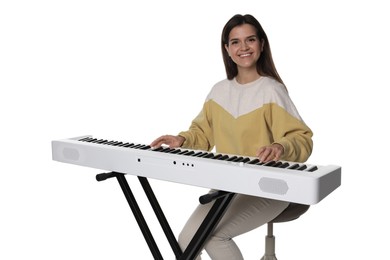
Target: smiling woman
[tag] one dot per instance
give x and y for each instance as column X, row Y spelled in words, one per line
column 250, row 113
column 244, row 37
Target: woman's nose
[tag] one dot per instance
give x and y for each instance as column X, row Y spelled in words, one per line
column 244, row 45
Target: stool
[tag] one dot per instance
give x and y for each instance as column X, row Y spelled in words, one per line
column 293, row 211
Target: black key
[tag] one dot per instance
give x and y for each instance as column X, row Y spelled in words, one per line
column 210, row 155
column 223, row 157
column 232, row 158
column 246, row 160
column 254, row 161
column 189, row 153
column 294, row 166
column 144, row 147
column 199, row 154
column 165, row 150
column 284, row 165
column 202, row 154
column 270, row 163
column 158, row 149
column 312, row 169
column 183, row 152
column 277, row 164
column 175, row 151
column 302, row 167
column 215, row 157
column 86, row 139
column 239, row 159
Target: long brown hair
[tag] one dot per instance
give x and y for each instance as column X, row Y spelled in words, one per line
column 265, row 64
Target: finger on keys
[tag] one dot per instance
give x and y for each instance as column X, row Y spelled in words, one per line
column 158, row 142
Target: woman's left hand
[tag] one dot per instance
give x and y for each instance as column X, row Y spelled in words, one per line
column 271, row 152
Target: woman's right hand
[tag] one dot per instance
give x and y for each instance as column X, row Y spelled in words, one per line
column 171, row 140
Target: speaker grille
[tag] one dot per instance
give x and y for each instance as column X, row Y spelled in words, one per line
column 71, row 154
column 271, row 185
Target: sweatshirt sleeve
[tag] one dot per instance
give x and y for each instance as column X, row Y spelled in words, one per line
column 291, row 132
column 199, row 135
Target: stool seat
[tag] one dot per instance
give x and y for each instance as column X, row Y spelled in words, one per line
column 293, row 211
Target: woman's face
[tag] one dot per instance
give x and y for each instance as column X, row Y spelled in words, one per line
column 244, row 47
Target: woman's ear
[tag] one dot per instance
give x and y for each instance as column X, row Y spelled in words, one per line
column 227, row 49
column 262, row 45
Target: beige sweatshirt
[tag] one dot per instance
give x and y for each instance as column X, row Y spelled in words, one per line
column 240, row 118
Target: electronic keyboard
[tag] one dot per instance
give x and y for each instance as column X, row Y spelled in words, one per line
column 281, row 180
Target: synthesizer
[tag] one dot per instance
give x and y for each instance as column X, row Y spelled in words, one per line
column 282, row 180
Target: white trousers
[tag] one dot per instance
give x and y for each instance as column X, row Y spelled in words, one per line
column 244, row 213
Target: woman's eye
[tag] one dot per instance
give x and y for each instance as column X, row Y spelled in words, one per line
column 252, row 39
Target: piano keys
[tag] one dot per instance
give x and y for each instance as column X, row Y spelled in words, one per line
column 288, row 181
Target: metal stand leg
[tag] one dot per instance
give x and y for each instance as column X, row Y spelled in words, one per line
column 209, row 223
column 136, row 211
column 161, row 217
column 222, row 200
column 269, row 244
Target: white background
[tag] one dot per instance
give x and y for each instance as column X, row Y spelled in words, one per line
column 133, row 71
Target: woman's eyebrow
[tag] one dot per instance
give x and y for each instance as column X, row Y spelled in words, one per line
column 254, row 35
column 236, row 39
